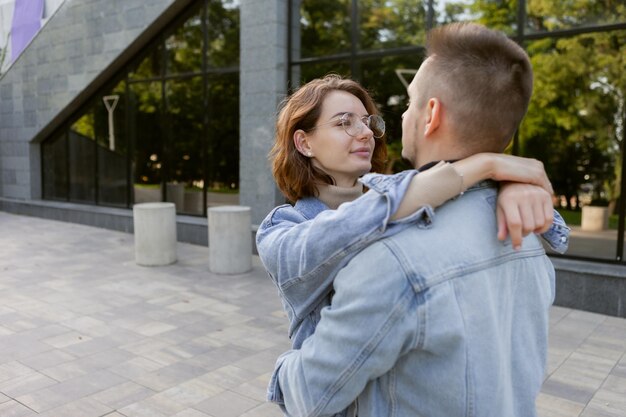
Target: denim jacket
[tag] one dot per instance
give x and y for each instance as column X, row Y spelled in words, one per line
column 304, row 246
column 445, row 321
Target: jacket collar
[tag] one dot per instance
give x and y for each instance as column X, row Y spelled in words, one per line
column 309, row 207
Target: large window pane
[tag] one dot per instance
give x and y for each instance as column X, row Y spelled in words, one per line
column 145, row 103
column 301, row 74
column 82, row 147
column 183, row 47
column 149, row 65
column 163, row 136
column 545, row 15
column 55, row 168
column 500, row 15
column 183, row 161
column 392, row 23
column 111, row 136
column 575, row 126
column 223, row 33
column 223, row 150
column 324, row 27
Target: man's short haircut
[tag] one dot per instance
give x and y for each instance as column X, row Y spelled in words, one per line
column 294, row 173
column 484, row 80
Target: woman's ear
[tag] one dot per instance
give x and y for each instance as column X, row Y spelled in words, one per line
column 301, row 142
column 434, row 116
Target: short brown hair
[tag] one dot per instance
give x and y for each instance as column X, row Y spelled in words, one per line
column 484, row 80
column 294, row 173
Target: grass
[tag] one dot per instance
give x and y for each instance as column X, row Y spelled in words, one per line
column 573, row 218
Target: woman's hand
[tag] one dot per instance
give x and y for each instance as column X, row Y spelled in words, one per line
column 523, row 209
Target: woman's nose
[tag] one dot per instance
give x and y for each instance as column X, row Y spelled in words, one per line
column 366, row 132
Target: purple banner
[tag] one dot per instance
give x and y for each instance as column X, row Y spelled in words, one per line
column 26, row 23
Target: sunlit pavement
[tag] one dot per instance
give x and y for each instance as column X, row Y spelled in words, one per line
column 85, row 332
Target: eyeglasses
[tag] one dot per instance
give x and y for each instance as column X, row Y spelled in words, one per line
column 354, row 124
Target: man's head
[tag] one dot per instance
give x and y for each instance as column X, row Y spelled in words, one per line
column 469, row 95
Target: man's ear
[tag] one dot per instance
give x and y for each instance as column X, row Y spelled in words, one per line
column 301, row 142
column 434, row 111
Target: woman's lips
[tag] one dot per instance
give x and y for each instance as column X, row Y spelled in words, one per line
column 364, row 152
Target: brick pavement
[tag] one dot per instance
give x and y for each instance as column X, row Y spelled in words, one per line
column 84, row 332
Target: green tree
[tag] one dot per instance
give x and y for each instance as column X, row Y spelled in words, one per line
column 574, row 117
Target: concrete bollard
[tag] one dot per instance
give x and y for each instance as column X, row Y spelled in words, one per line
column 594, row 218
column 230, row 239
column 155, row 233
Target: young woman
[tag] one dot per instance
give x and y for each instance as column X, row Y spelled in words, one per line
column 328, row 135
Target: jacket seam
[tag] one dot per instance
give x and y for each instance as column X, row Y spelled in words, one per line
column 453, row 273
column 469, row 385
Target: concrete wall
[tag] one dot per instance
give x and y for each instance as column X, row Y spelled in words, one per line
column 263, row 85
column 591, row 286
column 83, row 44
column 190, row 229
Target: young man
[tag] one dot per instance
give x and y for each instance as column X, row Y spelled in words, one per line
column 447, row 321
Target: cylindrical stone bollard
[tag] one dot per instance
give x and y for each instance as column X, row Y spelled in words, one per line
column 230, row 239
column 594, row 218
column 155, row 233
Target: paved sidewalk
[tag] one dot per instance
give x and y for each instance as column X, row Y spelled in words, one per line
column 84, row 332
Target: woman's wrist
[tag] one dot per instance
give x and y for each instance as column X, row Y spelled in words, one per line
column 475, row 168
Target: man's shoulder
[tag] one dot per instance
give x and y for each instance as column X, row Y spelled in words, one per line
column 462, row 238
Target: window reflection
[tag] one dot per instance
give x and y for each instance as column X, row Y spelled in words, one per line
column 184, row 159
column 324, row 27
column 146, row 117
column 223, row 140
column 82, row 154
column 168, row 131
column 223, row 33
column 55, row 168
column 149, row 66
column 545, row 16
column 500, row 15
column 388, row 24
column 302, row 74
column 575, row 125
column 112, row 140
column 183, row 48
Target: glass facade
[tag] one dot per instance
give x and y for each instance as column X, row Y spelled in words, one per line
column 166, row 128
column 577, row 117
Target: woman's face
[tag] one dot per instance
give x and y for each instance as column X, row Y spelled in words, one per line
column 343, row 157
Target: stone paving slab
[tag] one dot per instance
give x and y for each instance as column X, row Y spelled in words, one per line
column 85, row 332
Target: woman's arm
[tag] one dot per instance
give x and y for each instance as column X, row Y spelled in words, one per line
column 445, row 181
column 524, row 204
column 292, row 244
column 303, row 247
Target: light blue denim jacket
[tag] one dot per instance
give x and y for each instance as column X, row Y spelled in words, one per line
column 302, row 257
column 445, row 321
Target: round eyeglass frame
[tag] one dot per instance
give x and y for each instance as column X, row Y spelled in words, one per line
column 368, row 121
